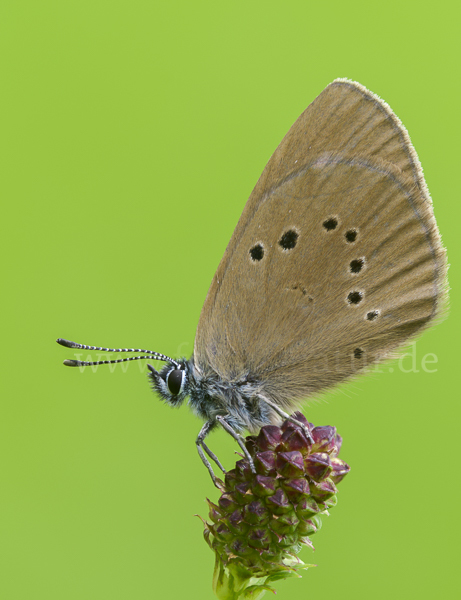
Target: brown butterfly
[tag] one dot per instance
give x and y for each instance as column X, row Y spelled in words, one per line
column 335, row 262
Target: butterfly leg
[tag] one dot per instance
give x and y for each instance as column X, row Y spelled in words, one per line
column 285, row 415
column 238, row 438
column 213, row 456
column 200, row 443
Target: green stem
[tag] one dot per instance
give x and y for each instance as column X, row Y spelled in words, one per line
column 234, row 583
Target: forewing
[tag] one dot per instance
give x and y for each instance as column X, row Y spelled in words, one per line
column 364, row 269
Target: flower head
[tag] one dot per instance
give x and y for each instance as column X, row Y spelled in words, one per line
column 263, row 519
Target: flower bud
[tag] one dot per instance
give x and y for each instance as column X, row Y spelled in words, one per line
column 318, row 465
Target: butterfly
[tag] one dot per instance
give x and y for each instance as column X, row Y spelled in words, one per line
column 335, row 262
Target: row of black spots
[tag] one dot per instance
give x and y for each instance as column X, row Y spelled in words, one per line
column 289, row 239
column 287, row 242
column 331, row 224
column 357, row 297
column 371, row 316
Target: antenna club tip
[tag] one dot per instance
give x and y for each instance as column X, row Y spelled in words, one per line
column 72, row 363
column 66, row 343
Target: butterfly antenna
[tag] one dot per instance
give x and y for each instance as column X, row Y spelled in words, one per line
column 81, row 363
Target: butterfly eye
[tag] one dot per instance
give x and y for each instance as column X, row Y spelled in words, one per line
column 174, row 380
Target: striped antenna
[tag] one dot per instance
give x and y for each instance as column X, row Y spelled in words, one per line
column 80, row 363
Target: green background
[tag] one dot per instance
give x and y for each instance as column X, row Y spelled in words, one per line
column 132, row 134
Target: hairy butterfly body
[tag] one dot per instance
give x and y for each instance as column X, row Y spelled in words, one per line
column 335, row 262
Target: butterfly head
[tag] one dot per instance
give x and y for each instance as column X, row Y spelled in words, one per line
column 171, row 382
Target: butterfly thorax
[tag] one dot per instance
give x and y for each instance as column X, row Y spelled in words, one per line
column 209, row 395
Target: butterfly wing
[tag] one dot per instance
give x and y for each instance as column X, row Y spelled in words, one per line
column 336, row 259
